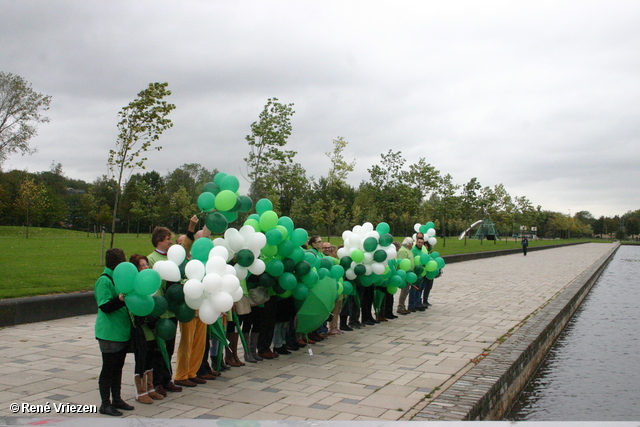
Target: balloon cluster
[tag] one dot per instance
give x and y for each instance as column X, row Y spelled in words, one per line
column 366, row 254
column 221, row 202
column 428, row 231
column 245, row 245
column 137, row 286
column 212, row 286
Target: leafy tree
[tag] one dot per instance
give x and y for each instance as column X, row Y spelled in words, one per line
column 32, row 201
column 422, row 176
column 268, row 135
column 340, row 168
column 142, row 121
column 20, row 113
column 449, row 202
column 285, row 184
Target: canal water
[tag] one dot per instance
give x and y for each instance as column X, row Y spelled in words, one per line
column 592, row 373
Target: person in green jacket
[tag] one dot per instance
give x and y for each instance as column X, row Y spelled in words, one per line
column 113, row 332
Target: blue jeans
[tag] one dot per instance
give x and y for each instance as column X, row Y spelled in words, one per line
column 415, row 295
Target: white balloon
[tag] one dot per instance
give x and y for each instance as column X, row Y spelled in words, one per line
column 193, row 289
column 367, row 269
column 177, row 254
column 229, row 283
column 391, row 252
column 257, row 267
column 431, row 232
column 237, row 295
column 241, row 272
column 212, row 283
column 343, row 252
column 168, row 270
column 355, row 241
column 416, row 227
column 367, row 226
column 377, row 268
column 373, row 233
column 368, row 258
column 216, row 265
column 195, row 303
column 246, row 231
column 236, row 242
column 256, row 242
column 350, row 274
column 219, row 241
column 208, row 314
column 220, row 251
column 358, row 230
column 222, row 301
column 194, row 269
column 345, row 235
column 432, row 241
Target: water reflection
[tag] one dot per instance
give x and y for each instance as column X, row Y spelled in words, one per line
column 591, row 373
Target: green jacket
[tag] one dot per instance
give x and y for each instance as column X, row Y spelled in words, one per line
column 116, row 325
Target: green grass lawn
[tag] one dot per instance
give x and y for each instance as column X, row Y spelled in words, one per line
column 57, row 261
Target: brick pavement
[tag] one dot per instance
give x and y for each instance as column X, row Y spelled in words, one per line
column 381, row 372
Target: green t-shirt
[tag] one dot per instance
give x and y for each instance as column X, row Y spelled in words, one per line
column 114, row 326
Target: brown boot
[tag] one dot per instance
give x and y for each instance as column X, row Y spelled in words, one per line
column 229, row 356
column 233, row 339
column 151, row 391
column 141, row 390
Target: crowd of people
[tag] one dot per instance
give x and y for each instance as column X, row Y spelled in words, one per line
column 265, row 324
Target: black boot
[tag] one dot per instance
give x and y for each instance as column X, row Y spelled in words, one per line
column 108, row 409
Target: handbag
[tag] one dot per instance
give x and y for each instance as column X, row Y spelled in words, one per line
column 243, row 306
column 258, row 295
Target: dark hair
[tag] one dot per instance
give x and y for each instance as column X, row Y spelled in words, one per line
column 313, row 239
column 159, row 234
column 113, row 257
column 136, row 258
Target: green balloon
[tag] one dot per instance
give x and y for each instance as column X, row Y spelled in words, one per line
column 301, row 291
column 419, row 270
column 430, row 225
column 311, row 279
column 396, row 281
column 434, row 254
column 225, row 200
column 345, row 262
column 218, row 178
column 285, row 249
column 405, row 265
column 160, row 306
column 275, row 267
column 274, row 236
column 311, row 258
column 206, row 201
column 211, row 187
column 380, row 255
column 184, row 313
column 124, row 276
column 245, row 204
column 216, row 222
column 229, row 216
column 326, row 262
column 175, row 295
column 263, row 206
column 283, row 230
column 201, row 248
column 411, row 277
column 268, row 220
column 253, row 223
column 289, row 265
column 297, row 254
column 166, row 329
column 230, row 183
column 255, row 216
column 370, row 244
column 267, row 280
column 139, row 305
column 431, row 266
column 269, row 250
column 245, row 257
column 299, row 236
column 286, row 222
column 147, row 282
column 302, row 268
column 424, row 259
column 347, row 288
column 365, row 281
column 402, row 274
column 322, row 273
column 433, row 274
column 337, row 271
column 383, row 228
column 386, row 240
column 360, row 270
column 357, row 255
column 423, row 228
column 392, row 289
column 288, row 281
column 440, row 262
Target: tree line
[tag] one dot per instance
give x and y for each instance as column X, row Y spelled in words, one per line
column 396, row 192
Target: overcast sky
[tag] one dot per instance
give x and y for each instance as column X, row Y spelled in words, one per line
column 543, row 97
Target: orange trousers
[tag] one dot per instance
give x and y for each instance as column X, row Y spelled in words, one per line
column 193, row 338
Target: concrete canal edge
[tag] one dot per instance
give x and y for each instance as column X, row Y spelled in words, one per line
column 17, row 311
column 488, row 390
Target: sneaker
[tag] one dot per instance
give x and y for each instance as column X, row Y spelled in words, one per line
column 109, row 409
column 121, row 404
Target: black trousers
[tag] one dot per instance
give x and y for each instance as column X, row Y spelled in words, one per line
column 161, row 372
column 110, row 379
column 428, row 284
column 367, row 302
column 267, row 317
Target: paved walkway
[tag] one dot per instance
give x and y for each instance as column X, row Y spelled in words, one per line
column 381, row 372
